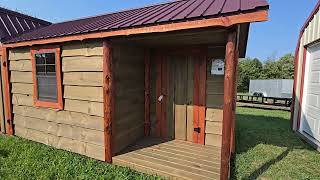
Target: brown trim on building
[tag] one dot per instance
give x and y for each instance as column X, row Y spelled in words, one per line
column 199, row 99
column 302, row 87
column 6, row 90
column 233, row 127
column 228, row 107
column 161, row 91
column 108, row 100
column 147, row 121
column 226, row 21
column 37, row 102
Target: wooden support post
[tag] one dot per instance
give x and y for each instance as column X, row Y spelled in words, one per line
column 233, row 137
column 228, row 108
column 108, row 100
column 6, row 90
column 147, row 123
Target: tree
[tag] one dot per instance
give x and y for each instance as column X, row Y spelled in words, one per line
column 248, row 69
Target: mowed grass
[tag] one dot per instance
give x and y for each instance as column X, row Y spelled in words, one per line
column 23, row 159
column 268, row 149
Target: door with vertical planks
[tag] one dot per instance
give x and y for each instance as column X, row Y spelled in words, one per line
column 181, row 109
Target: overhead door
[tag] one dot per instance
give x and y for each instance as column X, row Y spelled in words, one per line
column 310, row 115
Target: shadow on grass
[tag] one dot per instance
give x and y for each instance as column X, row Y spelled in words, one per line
column 253, row 130
column 4, row 153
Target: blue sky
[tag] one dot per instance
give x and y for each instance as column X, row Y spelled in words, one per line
column 269, row 39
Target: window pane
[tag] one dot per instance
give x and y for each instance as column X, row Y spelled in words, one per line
column 40, row 59
column 47, row 88
column 46, row 77
column 40, row 69
column 51, row 68
column 50, row 58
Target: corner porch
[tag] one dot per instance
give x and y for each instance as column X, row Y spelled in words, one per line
column 173, row 159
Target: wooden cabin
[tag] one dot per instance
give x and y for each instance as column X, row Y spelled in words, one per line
column 306, row 96
column 13, row 24
column 151, row 88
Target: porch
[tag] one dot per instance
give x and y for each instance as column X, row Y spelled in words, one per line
column 174, row 159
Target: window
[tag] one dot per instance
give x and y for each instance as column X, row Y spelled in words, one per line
column 47, row 77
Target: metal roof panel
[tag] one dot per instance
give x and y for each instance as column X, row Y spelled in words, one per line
column 169, row 12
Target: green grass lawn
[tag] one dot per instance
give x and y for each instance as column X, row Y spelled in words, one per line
column 23, row 159
column 266, row 149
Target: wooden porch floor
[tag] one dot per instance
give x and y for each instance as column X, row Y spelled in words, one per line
column 172, row 159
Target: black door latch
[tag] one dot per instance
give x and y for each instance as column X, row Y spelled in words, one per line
column 197, row 129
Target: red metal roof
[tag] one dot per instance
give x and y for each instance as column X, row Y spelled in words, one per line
column 174, row 11
column 13, row 24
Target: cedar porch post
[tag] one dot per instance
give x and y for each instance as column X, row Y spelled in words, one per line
column 147, row 123
column 233, row 141
column 108, row 99
column 5, row 79
column 228, row 107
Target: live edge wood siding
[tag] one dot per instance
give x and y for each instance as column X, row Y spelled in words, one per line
column 129, row 91
column 79, row 126
column 214, row 100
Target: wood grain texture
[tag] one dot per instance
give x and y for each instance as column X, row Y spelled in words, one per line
column 22, row 53
column 22, row 65
column 129, row 63
column 91, row 150
column 83, row 78
column 22, row 77
column 84, row 93
column 22, row 100
column 228, row 107
column 87, row 107
column 108, row 100
column 89, row 48
column 22, row 88
column 61, row 117
column 147, row 123
column 82, row 64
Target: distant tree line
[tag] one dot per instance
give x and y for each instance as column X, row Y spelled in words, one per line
column 250, row 69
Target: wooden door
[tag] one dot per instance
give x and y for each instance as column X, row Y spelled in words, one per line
column 181, row 97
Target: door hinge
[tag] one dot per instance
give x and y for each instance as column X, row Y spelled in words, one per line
column 198, row 129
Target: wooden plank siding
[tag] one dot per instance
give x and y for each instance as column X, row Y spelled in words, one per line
column 79, row 126
column 214, row 101
column 129, row 95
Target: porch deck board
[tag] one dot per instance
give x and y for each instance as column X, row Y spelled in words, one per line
column 172, row 159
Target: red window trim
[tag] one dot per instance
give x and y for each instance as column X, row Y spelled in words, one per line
column 37, row 102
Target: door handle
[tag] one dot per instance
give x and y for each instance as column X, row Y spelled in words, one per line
column 160, row 98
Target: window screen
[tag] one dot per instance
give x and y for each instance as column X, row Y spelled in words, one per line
column 46, row 77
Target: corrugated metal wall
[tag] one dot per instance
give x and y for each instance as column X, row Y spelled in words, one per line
column 310, row 34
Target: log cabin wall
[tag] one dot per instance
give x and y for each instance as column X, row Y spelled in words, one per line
column 129, row 91
column 79, row 126
column 214, row 100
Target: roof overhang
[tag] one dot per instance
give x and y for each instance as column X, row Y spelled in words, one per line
column 225, row 21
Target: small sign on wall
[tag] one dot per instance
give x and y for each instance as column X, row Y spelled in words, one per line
column 217, row 67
